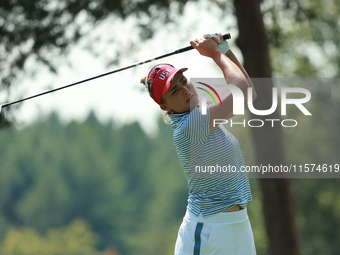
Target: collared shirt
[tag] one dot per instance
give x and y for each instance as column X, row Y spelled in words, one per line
column 212, row 162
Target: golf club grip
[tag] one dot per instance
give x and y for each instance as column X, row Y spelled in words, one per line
column 225, row 37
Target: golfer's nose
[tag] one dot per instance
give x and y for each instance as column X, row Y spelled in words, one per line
column 186, row 90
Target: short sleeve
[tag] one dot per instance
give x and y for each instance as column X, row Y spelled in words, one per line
column 197, row 125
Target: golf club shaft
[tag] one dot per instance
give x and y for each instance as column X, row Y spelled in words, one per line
column 226, row 36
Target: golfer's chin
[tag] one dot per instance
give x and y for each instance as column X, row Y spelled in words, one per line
column 193, row 103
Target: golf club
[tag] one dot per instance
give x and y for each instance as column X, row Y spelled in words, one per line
column 225, row 37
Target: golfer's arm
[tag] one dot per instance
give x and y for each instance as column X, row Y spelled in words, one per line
column 233, row 58
column 233, row 76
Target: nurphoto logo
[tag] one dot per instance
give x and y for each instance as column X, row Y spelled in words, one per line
column 239, row 99
column 207, row 91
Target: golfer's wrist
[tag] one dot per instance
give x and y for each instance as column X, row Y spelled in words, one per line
column 217, row 56
column 229, row 53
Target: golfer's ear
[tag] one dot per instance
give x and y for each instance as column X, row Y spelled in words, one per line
column 164, row 107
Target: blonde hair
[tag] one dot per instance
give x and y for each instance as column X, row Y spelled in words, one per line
column 143, row 81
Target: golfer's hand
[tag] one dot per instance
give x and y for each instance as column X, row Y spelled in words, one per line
column 206, row 47
column 218, row 38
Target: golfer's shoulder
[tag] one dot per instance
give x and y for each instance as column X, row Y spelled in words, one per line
column 191, row 121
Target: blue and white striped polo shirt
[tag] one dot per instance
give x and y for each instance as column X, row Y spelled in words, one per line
column 199, row 150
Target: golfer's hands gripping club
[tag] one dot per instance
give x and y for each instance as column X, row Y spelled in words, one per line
column 206, row 47
column 218, row 38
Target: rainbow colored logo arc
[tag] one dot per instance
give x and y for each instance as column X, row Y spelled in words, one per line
column 207, row 91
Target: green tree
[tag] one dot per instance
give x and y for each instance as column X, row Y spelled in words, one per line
column 89, row 171
column 75, row 239
column 38, row 32
column 294, row 29
column 315, row 141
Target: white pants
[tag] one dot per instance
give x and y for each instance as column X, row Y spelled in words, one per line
column 226, row 233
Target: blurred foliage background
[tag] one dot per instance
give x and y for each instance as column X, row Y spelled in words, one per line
column 102, row 186
column 99, row 188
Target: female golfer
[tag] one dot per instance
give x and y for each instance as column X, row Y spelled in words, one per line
column 216, row 220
